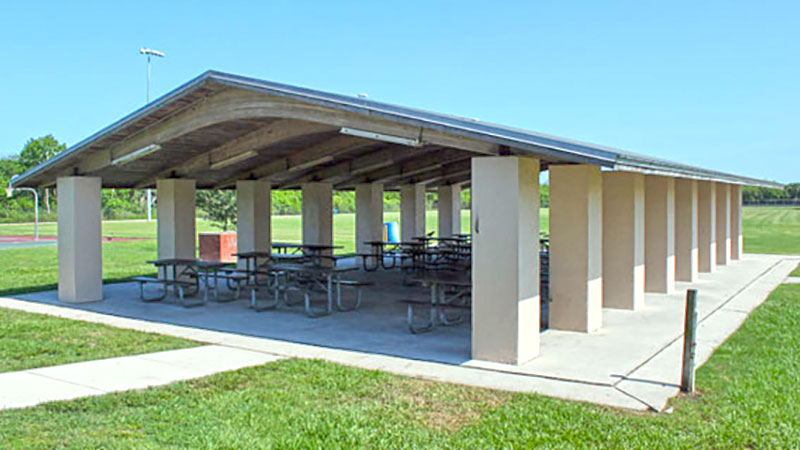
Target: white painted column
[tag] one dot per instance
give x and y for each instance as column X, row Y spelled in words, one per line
column 686, row 256
column 449, row 210
column 80, row 257
column 723, row 232
column 318, row 213
column 253, row 217
column 177, row 237
column 576, row 247
column 412, row 211
column 369, row 215
column 623, row 240
column 505, row 262
column 737, row 245
column 659, row 232
column 707, row 226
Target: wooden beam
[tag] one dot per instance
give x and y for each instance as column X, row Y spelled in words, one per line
column 435, row 174
column 377, row 158
column 410, row 167
column 295, row 161
column 279, row 131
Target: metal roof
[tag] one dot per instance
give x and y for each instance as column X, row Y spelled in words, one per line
column 517, row 139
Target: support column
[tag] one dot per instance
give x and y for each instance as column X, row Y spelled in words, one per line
column 369, row 215
column 253, row 216
column 176, row 218
column 505, row 263
column 686, row 256
column 449, row 210
column 737, row 245
column 318, row 213
column 576, row 247
column 707, row 225
column 80, row 259
column 412, row 211
column 659, row 232
column 723, row 224
column 623, row 240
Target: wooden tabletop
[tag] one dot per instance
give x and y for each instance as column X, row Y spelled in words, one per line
column 172, row 262
column 253, row 254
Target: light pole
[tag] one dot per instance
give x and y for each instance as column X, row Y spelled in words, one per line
column 10, row 191
column 150, row 53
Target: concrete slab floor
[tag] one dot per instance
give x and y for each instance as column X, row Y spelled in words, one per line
column 632, row 362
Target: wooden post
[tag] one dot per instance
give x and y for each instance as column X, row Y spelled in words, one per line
column 689, row 342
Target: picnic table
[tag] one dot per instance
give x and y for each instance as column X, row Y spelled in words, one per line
column 182, row 278
column 458, row 283
column 307, row 278
column 379, row 250
column 187, row 273
column 284, row 247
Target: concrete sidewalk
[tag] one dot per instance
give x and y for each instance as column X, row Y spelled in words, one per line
column 84, row 379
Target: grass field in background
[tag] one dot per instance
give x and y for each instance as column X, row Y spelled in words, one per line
column 36, row 340
column 771, row 230
column 284, row 228
column 747, row 398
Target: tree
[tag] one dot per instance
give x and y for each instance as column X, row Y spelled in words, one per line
column 218, row 206
column 37, row 151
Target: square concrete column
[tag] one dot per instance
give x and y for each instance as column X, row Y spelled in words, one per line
column 505, row 259
column 706, row 225
column 253, row 215
column 176, row 218
column 623, row 240
column 576, row 247
column 412, row 211
column 449, row 210
column 686, row 256
column 723, row 224
column 80, row 258
column 659, row 234
column 736, row 222
column 369, row 215
column 318, row 213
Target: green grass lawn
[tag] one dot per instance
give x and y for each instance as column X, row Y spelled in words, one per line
column 796, row 272
column 35, row 340
column 771, row 230
column 748, row 398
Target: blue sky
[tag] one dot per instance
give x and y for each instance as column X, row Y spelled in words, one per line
column 708, row 83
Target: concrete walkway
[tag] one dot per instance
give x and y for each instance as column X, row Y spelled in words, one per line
column 84, row 379
column 633, row 362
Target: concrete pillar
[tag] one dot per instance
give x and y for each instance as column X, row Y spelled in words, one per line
column 253, row 215
column 706, row 225
column 576, row 247
column 412, row 211
column 505, row 261
column 80, row 259
column 623, row 240
column 659, row 232
column 449, row 210
column 686, row 256
column 176, row 218
column 737, row 245
column 318, row 213
column 369, row 215
column 723, row 234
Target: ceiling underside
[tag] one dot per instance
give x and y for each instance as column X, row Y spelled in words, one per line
column 221, row 128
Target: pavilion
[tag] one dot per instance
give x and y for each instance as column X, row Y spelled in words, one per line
column 622, row 224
